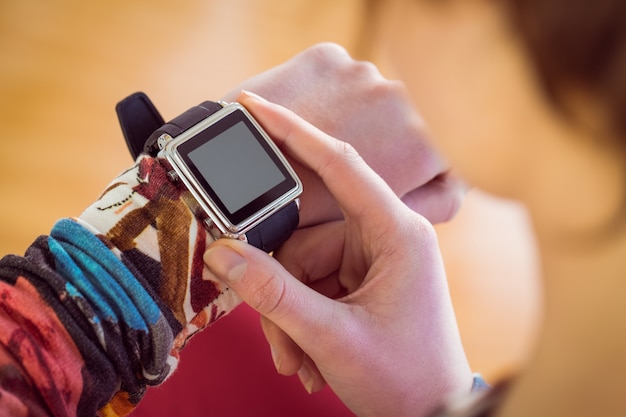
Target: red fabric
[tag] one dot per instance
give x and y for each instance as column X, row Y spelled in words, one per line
column 226, row 370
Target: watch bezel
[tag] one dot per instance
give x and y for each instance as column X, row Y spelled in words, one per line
column 238, row 223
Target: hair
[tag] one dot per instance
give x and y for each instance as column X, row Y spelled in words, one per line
column 579, row 44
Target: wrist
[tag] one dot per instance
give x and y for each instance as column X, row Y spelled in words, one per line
column 143, row 217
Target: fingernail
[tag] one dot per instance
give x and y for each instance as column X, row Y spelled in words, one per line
column 276, row 357
column 225, row 263
column 253, row 96
column 306, row 378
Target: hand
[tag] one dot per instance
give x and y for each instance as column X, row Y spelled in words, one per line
column 352, row 101
column 389, row 347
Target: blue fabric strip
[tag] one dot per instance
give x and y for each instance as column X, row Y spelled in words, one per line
column 113, row 283
column 68, row 269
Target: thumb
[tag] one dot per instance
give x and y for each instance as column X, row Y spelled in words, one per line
column 263, row 284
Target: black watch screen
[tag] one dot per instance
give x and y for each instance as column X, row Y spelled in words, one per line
column 236, row 166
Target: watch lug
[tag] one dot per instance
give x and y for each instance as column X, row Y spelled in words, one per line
column 162, row 140
column 211, row 228
column 173, row 175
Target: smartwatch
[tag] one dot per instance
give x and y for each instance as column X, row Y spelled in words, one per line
column 242, row 185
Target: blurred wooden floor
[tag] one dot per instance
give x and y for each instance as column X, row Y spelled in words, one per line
column 65, row 63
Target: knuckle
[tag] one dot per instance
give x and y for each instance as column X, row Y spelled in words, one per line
column 268, row 293
column 367, row 69
column 329, row 53
column 349, row 155
column 390, row 93
column 342, row 154
column 347, row 150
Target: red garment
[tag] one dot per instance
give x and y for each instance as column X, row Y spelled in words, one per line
column 227, row 370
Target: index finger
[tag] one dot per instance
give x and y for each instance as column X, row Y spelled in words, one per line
column 349, row 179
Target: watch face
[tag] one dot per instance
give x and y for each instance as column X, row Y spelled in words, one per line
column 237, row 166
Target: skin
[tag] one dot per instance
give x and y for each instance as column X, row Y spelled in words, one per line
column 360, row 343
column 394, row 349
column 355, row 98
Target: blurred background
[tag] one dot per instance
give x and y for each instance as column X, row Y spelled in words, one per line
column 65, row 63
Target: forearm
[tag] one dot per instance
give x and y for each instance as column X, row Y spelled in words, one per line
column 69, row 343
column 98, row 310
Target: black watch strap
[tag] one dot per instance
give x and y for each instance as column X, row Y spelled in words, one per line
column 138, row 118
column 142, row 125
column 180, row 123
column 274, row 231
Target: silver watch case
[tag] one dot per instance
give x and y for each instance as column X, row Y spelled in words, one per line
column 214, row 219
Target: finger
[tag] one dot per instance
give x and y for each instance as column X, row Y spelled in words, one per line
column 351, row 181
column 313, row 253
column 267, row 287
column 286, row 354
column 310, row 376
column 438, row 200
